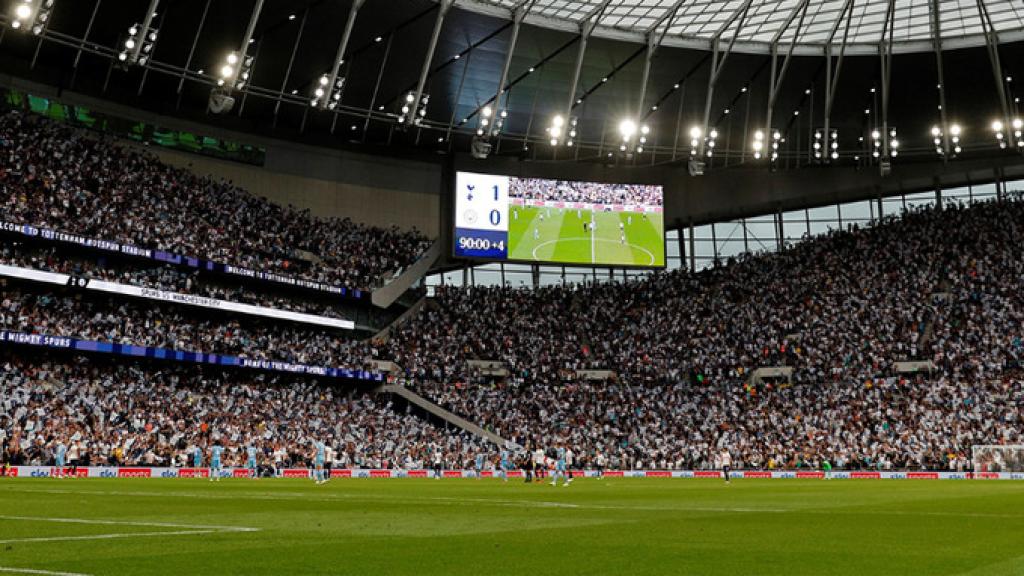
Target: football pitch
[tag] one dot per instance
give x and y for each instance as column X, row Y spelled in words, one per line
column 472, row 527
column 559, row 235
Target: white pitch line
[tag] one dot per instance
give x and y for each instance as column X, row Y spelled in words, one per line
column 43, row 572
column 650, row 255
column 129, row 523
column 109, row 536
column 191, row 529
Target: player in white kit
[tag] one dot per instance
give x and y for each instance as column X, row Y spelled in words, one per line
column 725, row 460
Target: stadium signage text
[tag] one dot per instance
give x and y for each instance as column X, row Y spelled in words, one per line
column 183, row 356
column 130, row 250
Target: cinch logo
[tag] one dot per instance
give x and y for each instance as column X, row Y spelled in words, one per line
column 865, row 475
column 453, row 473
column 380, row 473
column 757, row 474
column 193, row 473
column 923, row 475
column 240, row 473
column 987, row 475
column 134, row 473
column 810, row 474
column 417, row 473
column 659, row 474
column 707, row 474
column 515, row 473
column 12, row 473
column 487, row 474
column 295, row 473
column 346, row 473
column 614, row 473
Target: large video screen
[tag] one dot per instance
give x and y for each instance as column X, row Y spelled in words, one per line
column 558, row 221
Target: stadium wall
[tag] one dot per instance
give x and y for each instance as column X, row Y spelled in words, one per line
column 365, row 188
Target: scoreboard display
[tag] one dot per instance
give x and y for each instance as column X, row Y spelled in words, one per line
column 507, row 218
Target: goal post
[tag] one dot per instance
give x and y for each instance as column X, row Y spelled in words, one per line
column 998, row 457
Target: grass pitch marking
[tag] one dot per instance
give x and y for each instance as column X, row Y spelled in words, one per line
column 188, row 529
column 593, row 242
column 43, row 572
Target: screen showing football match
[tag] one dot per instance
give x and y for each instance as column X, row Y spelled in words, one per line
column 558, row 221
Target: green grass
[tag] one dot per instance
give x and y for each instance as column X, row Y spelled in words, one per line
column 455, row 527
column 562, row 238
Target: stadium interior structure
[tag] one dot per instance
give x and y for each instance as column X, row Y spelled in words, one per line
column 233, row 223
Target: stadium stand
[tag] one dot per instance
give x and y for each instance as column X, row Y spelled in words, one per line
column 62, row 178
column 841, row 309
column 157, row 414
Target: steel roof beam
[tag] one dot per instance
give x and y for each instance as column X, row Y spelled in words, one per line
column 586, row 29
column 885, row 55
column 992, row 45
column 936, row 23
column 654, row 40
column 518, row 15
column 445, row 6
column 778, row 76
column 339, row 57
column 832, row 76
column 144, row 30
column 718, row 64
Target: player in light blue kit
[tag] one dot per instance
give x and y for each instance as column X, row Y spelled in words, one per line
column 318, row 462
column 504, row 466
column 250, row 462
column 559, row 468
column 59, row 458
column 215, row 464
column 197, row 459
column 479, row 465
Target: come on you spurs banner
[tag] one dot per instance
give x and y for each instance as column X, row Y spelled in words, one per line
column 156, row 472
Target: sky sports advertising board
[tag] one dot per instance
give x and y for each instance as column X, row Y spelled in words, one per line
column 507, row 218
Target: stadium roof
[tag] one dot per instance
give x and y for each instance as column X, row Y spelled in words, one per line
column 295, row 43
column 694, row 23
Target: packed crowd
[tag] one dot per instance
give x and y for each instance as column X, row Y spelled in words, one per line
column 58, row 177
column 159, row 415
column 888, row 424
column 588, row 192
column 120, row 321
column 941, row 286
column 841, row 310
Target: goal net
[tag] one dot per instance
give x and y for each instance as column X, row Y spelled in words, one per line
column 998, row 458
